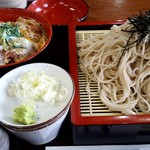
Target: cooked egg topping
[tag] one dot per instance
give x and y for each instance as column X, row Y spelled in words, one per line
column 20, row 39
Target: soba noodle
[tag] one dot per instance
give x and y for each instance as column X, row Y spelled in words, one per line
column 125, row 87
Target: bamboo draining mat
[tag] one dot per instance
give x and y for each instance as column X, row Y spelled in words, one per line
column 90, row 104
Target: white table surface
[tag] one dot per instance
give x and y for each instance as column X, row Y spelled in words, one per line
column 104, row 147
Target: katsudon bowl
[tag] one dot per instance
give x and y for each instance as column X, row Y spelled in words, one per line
column 23, row 35
column 45, row 89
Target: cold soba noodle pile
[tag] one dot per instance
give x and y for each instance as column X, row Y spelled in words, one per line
column 119, row 62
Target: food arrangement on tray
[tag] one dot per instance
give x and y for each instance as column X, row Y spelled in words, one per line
column 107, row 92
column 112, row 72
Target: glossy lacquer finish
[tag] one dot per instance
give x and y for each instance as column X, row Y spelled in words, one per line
column 76, row 117
column 11, row 14
column 60, row 12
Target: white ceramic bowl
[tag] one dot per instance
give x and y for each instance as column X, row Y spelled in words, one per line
column 13, row 4
column 51, row 117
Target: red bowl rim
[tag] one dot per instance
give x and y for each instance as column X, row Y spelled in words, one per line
column 65, row 22
column 25, row 14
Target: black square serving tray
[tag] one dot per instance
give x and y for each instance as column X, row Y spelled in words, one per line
column 55, row 53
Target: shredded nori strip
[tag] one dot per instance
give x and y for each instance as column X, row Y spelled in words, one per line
column 141, row 25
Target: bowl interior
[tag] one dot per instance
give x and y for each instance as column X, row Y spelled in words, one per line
column 11, row 14
column 60, row 12
column 44, row 111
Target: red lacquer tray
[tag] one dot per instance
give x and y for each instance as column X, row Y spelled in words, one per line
column 88, row 109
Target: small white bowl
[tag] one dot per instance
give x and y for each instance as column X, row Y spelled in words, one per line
column 51, row 118
column 13, row 4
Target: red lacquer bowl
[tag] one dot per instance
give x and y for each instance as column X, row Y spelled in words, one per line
column 60, row 12
column 11, row 14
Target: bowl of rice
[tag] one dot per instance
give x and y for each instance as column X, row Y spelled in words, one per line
column 37, row 98
column 23, row 35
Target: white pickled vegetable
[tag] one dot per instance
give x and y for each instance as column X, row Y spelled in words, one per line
column 38, row 86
